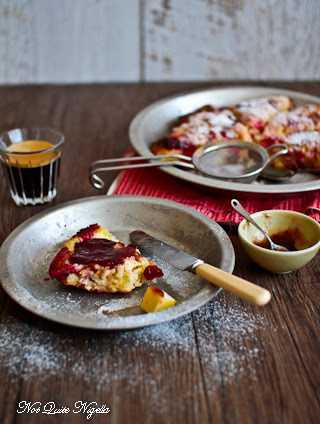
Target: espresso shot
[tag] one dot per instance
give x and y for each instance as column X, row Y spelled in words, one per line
column 31, row 166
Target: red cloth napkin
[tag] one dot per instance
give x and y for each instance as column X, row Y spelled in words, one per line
column 156, row 183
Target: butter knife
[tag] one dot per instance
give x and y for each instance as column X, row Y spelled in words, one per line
column 148, row 244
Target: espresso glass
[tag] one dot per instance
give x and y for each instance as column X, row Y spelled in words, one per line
column 30, row 159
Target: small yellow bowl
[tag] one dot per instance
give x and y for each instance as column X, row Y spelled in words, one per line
column 275, row 222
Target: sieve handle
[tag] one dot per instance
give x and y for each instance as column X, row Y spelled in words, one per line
column 283, row 149
column 149, row 161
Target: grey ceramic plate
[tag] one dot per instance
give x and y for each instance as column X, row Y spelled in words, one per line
column 156, row 120
column 27, row 252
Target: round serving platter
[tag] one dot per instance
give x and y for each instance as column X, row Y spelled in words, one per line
column 27, row 252
column 156, row 120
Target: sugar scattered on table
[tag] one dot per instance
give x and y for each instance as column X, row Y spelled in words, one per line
column 227, row 347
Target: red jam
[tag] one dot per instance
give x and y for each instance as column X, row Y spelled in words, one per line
column 59, row 269
column 88, row 232
column 285, row 238
column 106, row 252
column 94, row 251
column 103, row 252
column 152, row 272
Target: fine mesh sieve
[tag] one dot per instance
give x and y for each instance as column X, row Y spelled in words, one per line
column 228, row 161
column 232, row 160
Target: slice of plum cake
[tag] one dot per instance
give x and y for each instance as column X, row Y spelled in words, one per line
column 95, row 261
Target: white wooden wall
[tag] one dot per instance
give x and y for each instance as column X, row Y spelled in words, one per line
column 72, row 41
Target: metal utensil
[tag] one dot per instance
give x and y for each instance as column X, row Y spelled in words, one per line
column 282, row 174
column 148, row 161
column 185, row 262
column 231, row 160
column 240, row 209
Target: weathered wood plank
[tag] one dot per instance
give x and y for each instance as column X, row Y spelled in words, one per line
column 44, row 41
column 69, row 41
column 206, row 40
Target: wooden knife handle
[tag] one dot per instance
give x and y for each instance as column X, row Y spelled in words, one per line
column 251, row 292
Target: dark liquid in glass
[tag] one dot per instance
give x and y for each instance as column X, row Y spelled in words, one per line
column 34, row 182
column 34, row 175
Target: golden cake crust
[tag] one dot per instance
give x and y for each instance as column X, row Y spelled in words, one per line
column 201, row 127
column 265, row 121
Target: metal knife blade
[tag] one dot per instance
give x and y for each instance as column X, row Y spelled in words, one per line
column 152, row 246
column 251, row 292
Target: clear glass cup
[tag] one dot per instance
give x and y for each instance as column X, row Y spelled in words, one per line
column 30, row 159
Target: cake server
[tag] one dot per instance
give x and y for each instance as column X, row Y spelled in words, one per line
column 153, row 247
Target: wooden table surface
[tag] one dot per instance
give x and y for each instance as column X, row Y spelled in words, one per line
column 227, row 362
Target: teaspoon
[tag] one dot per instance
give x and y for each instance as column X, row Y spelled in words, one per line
column 240, row 209
column 283, row 174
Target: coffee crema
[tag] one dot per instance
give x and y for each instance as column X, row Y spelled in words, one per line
column 40, row 153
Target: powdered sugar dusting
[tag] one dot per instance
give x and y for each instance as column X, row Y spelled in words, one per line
column 226, row 334
column 263, row 108
column 303, row 118
column 260, row 107
column 305, row 137
column 203, row 125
